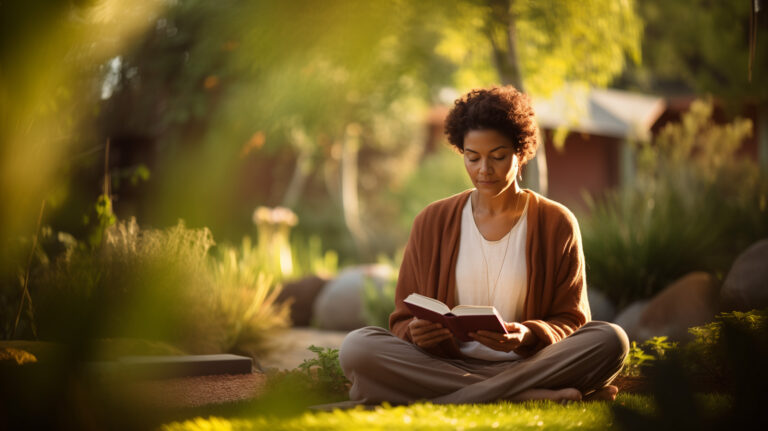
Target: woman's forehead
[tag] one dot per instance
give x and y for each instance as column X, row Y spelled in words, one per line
column 486, row 140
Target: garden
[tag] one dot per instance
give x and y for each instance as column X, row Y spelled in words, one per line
column 187, row 183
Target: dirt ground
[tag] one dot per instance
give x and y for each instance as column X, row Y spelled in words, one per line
column 291, row 350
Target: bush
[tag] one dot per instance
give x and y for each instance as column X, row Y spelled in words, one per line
column 157, row 285
column 379, row 303
column 694, row 205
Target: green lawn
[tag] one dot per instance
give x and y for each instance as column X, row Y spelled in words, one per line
column 530, row 415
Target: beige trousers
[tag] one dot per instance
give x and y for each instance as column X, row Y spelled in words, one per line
column 383, row 367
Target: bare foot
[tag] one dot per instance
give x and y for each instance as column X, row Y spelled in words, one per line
column 558, row 395
column 606, row 393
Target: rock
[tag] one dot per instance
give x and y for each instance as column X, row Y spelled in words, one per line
column 629, row 317
column 302, row 294
column 340, row 304
column 689, row 301
column 600, row 306
column 746, row 286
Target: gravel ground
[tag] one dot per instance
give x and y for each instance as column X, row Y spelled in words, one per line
column 198, row 391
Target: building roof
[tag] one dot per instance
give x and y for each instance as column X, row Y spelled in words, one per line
column 597, row 111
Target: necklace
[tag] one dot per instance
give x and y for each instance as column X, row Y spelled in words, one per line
column 491, row 294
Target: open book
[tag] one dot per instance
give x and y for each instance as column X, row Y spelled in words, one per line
column 461, row 320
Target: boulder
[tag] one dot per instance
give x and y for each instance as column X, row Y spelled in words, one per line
column 600, row 306
column 340, row 304
column 689, row 301
column 302, row 294
column 629, row 317
column 746, row 285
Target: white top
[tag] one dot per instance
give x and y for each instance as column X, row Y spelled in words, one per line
column 478, row 267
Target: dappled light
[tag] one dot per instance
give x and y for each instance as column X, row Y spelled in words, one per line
column 206, row 197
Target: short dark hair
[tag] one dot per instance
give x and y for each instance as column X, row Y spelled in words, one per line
column 503, row 109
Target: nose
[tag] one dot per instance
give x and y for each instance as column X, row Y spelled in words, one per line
column 485, row 167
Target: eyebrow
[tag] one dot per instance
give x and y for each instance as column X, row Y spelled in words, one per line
column 500, row 147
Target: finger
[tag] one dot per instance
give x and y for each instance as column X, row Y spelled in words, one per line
column 490, row 334
column 494, row 344
column 418, row 323
column 433, row 334
column 416, row 330
column 486, row 340
column 432, row 341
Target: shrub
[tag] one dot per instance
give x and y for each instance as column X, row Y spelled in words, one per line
column 245, row 298
column 157, row 285
column 379, row 302
column 694, row 205
column 637, row 359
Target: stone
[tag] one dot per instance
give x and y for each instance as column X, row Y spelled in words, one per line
column 746, row 285
column 302, row 294
column 339, row 306
column 691, row 300
column 629, row 317
column 600, row 306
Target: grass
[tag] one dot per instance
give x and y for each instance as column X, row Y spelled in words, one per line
column 539, row 415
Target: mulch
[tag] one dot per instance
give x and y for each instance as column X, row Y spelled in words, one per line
column 197, row 391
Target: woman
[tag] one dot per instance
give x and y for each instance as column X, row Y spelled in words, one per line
column 494, row 245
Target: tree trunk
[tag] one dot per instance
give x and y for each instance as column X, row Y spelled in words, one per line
column 301, row 171
column 502, row 21
column 349, row 197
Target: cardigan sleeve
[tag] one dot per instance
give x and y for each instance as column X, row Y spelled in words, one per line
column 568, row 308
column 413, row 278
column 407, row 283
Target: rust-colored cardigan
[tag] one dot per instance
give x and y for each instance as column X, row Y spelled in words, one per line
column 556, row 301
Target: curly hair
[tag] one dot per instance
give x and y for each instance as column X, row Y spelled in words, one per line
column 503, row 109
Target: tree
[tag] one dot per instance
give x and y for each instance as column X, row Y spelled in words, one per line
column 538, row 46
column 320, row 91
column 706, row 50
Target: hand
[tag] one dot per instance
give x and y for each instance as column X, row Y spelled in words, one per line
column 519, row 335
column 426, row 334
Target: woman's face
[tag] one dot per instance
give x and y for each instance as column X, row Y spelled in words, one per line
column 490, row 161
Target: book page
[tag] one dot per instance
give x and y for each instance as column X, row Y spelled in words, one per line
column 428, row 303
column 473, row 310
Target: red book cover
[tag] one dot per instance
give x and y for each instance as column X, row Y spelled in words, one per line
column 461, row 320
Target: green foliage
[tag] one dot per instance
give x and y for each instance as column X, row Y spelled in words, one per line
column 309, row 258
column 693, row 206
column 316, row 381
column 425, row 416
column 245, row 297
column 727, row 356
column 326, row 370
column 158, row 285
column 379, row 301
column 707, row 353
column 105, row 218
column 637, row 358
column 587, row 41
column 708, row 51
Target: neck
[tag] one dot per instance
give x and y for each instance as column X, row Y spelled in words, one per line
column 507, row 200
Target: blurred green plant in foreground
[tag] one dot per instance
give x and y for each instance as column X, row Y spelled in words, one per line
column 694, row 205
column 158, row 285
column 727, row 357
